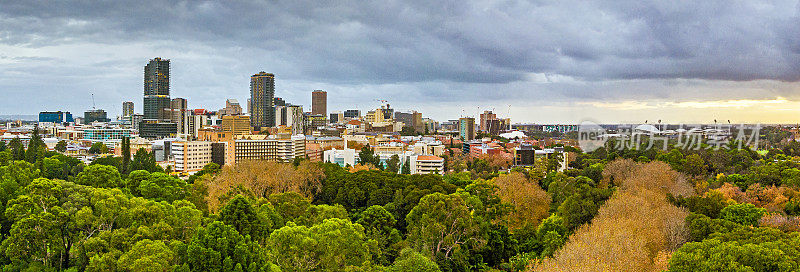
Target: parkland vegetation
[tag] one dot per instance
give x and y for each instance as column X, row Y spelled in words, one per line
column 623, row 210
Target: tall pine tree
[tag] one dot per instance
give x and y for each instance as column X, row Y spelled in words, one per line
column 406, row 168
column 17, row 150
column 35, row 147
column 126, row 154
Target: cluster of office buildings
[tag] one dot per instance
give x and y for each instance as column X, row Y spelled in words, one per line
column 267, row 127
column 264, row 128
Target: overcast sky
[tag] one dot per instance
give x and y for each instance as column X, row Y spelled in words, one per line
column 539, row 61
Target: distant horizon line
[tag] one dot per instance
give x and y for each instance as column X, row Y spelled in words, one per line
column 34, row 118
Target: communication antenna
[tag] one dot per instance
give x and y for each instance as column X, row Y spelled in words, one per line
column 93, row 105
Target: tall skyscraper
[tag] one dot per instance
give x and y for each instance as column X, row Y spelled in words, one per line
column 179, row 114
column 127, row 109
column 466, row 128
column 156, row 90
column 319, row 102
column 262, row 93
column 486, row 120
column 176, row 107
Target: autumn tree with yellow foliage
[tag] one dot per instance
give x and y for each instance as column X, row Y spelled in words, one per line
column 635, row 230
column 263, row 178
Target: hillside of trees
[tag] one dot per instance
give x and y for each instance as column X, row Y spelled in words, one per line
column 630, row 210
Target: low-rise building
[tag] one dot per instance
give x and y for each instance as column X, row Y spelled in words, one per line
column 428, row 148
column 269, row 148
column 426, row 164
column 314, row 152
column 104, row 134
column 342, row 157
column 525, row 154
column 7, row 138
column 191, row 156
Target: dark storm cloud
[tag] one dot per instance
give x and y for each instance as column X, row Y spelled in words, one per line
column 412, row 52
column 476, row 41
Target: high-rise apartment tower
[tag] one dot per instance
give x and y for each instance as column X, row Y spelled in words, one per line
column 262, row 93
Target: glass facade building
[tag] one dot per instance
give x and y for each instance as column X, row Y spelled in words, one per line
column 56, row 117
column 103, row 134
column 156, row 90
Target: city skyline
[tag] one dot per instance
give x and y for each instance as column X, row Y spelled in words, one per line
column 681, row 63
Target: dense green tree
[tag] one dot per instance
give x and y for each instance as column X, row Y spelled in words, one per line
column 36, row 147
column 410, row 260
column 100, row 176
column 701, row 226
column 578, row 210
column 393, row 164
column 210, row 168
column 745, row 214
column 289, row 206
column 367, row 156
column 61, row 146
column 6, row 157
column 487, row 202
column 316, row 214
column 710, row 204
column 766, row 174
column 53, row 168
column 98, row 148
column 144, row 160
column 500, row 246
column 333, row 245
column 17, row 149
column 442, row 226
column 406, row 169
column 793, row 207
column 240, row 214
column 762, row 249
column 594, row 172
column 116, row 162
column 13, row 177
column 218, row 247
column 135, row 179
column 562, row 187
column 379, row 225
column 147, row 255
column 694, row 165
column 126, row 155
column 38, row 223
column 674, row 158
column 163, row 187
column 551, row 234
